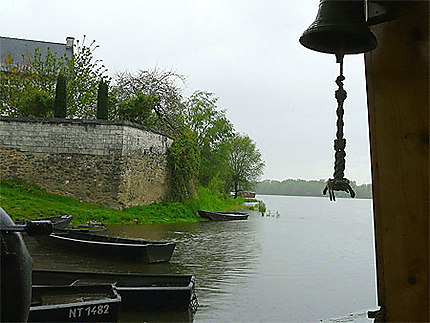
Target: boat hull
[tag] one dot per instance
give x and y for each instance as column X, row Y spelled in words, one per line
column 128, row 249
column 138, row 292
column 58, row 222
column 95, row 303
column 223, row 216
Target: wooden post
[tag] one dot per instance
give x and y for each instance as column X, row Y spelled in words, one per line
column 397, row 77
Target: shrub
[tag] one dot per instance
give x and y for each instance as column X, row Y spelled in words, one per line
column 35, row 103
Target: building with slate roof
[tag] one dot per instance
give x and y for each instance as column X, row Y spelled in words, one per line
column 22, row 50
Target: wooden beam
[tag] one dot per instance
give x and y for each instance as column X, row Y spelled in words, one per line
column 397, row 77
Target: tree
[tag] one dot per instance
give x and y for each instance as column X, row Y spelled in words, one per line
column 201, row 115
column 213, row 131
column 245, row 163
column 139, row 109
column 35, row 103
column 23, row 81
column 60, row 106
column 184, row 161
column 102, row 101
column 164, row 85
column 39, row 73
column 84, row 73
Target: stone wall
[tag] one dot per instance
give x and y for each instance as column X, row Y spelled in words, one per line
column 114, row 164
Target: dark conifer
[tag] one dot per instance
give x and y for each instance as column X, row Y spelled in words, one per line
column 60, row 109
column 102, row 101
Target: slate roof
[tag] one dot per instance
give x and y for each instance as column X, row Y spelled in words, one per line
column 12, row 49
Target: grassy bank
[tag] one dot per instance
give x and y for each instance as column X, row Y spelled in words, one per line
column 21, row 200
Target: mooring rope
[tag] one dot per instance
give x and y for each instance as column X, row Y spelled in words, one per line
column 339, row 182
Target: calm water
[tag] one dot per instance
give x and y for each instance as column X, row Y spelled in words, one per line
column 314, row 261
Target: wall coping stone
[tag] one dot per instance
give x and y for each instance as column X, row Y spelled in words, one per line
column 82, row 122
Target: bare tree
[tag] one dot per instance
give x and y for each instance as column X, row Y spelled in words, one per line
column 166, row 85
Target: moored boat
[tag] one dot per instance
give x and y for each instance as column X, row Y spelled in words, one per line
column 90, row 303
column 89, row 227
column 247, row 194
column 58, row 222
column 233, row 212
column 138, row 292
column 99, row 245
column 223, row 216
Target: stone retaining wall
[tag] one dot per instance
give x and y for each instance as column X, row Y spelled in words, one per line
column 114, row 164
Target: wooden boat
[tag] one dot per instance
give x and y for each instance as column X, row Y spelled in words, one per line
column 91, row 303
column 138, row 292
column 234, row 212
column 89, row 227
column 247, row 194
column 130, row 249
column 58, row 222
column 223, row 216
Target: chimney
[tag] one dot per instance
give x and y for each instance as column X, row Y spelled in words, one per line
column 69, row 42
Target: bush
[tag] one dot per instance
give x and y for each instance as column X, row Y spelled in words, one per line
column 35, row 103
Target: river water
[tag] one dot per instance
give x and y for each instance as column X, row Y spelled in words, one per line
column 311, row 259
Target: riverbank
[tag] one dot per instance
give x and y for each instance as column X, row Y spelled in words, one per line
column 22, row 200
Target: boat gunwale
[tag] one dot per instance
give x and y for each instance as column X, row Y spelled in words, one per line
column 218, row 216
column 119, row 244
column 234, row 214
column 114, row 297
column 191, row 279
column 231, row 214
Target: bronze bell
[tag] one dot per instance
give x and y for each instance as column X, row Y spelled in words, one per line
column 339, row 28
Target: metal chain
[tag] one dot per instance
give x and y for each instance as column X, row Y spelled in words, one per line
column 194, row 304
column 339, row 182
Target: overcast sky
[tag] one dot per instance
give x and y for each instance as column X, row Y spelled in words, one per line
column 247, row 52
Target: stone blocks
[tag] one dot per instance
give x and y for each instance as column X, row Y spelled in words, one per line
column 114, row 164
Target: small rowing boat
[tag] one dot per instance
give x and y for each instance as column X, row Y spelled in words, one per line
column 138, row 292
column 88, row 227
column 99, row 245
column 223, row 216
column 90, row 303
column 58, row 222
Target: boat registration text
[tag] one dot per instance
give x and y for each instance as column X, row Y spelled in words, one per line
column 88, row 311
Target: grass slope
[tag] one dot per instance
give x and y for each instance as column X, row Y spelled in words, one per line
column 22, row 200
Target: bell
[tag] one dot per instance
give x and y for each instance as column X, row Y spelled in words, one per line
column 339, row 28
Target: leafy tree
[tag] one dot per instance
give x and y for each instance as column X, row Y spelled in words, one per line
column 213, row 131
column 245, row 163
column 84, row 74
column 25, row 78
column 184, row 160
column 35, row 103
column 164, row 85
column 201, row 115
column 139, row 109
column 39, row 73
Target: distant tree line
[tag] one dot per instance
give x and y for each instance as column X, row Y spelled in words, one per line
column 206, row 151
column 300, row 187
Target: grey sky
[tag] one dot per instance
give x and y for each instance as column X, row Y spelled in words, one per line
column 246, row 52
